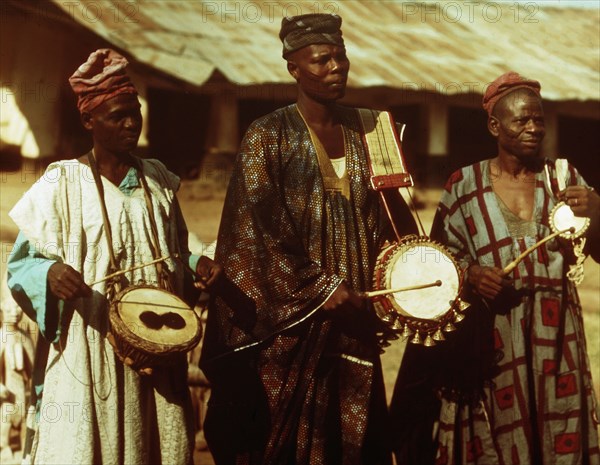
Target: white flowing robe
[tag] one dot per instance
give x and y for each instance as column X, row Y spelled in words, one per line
column 94, row 409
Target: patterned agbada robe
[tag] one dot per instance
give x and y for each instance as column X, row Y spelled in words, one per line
column 539, row 405
column 286, row 243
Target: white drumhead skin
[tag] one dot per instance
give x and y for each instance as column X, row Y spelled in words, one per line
column 172, row 321
column 423, row 264
column 564, row 218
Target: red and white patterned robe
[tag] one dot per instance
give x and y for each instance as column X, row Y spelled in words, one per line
column 539, row 405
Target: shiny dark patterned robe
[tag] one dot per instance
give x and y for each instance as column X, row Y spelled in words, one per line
column 292, row 383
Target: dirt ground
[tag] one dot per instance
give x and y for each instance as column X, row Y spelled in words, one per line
column 202, row 201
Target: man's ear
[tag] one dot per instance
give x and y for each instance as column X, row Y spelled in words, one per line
column 292, row 69
column 86, row 120
column 493, row 125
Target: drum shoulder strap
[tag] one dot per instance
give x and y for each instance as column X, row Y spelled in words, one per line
column 384, row 151
column 165, row 282
column 386, row 163
column 105, row 220
column 160, row 269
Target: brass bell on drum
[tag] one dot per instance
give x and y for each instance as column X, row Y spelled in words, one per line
column 438, row 335
column 416, row 339
column 406, row 332
column 397, row 325
column 429, row 342
column 449, row 327
column 458, row 317
column 462, row 305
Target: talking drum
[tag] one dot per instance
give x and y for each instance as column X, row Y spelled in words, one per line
column 564, row 223
column 417, row 285
column 562, row 218
column 150, row 327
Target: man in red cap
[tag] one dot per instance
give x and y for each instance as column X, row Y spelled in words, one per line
column 514, row 384
column 91, row 405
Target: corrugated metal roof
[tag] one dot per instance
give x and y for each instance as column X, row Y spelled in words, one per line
column 447, row 47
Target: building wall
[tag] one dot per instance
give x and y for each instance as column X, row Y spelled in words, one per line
column 38, row 53
column 30, row 73
column 40, row 119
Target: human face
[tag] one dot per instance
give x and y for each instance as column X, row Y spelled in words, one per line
column 519, row 125
column 321, row 71
column 116, row 124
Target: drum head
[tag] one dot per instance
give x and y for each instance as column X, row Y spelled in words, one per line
column 562, row 217
column 415, row 264
column 157, row 316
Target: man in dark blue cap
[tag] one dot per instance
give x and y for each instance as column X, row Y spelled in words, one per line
column 292, row 347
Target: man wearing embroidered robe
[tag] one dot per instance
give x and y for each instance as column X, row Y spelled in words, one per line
column 300, row 234
column 91, row 408
column 515, row 384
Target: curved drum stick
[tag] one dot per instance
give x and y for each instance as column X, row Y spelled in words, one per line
column 119, row 273
column 512, row 265
column 399, row 289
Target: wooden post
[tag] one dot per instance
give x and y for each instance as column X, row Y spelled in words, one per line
column 142, row 89
column 224, row 130
column 437, row 141
column 437, row 128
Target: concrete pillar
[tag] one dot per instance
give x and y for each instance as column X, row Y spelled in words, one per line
column 224, row 130
column 436, row 148
column 437, row 128
column 142, row 88
column 31, row 84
